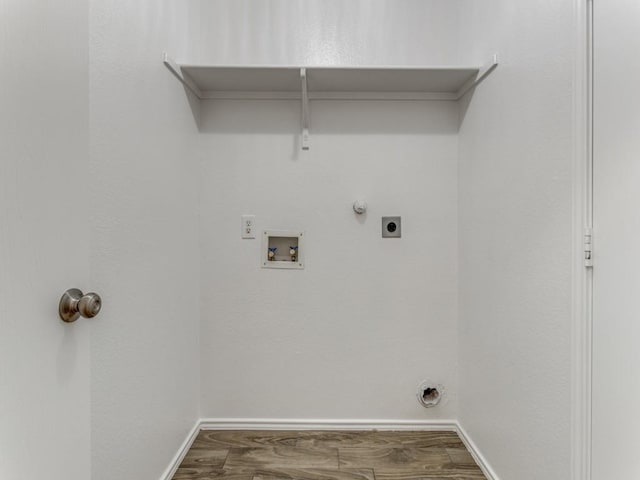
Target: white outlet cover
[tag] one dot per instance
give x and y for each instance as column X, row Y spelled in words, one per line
column 248, row 226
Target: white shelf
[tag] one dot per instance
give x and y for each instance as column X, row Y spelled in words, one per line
column 329, row 83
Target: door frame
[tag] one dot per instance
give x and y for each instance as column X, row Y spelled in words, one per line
column 582, row 278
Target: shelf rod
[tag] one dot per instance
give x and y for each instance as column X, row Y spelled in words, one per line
column 270, row 95
column 482, row 74
column 184, row 78
column 305, row 110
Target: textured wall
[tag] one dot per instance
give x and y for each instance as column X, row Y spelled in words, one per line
column 44, row 363
column 353, row 334
column 616, row 333
column 515, row 238
column 144, row 247
column 327, row 32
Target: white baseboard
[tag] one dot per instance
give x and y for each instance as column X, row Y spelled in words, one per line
column 331, row 424
column 475, row 452
column 312, row 424
column 182, row 451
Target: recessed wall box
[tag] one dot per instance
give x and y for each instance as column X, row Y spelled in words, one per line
column 282, row 249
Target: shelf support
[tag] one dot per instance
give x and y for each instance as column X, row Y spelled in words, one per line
column 482, row 74
column 185, row 79
column 305, row 110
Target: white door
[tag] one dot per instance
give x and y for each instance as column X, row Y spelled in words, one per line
column 616, row 341
column 44, row 363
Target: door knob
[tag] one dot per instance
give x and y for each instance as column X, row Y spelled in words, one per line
column 74, row 304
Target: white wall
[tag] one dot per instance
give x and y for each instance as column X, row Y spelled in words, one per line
column 515, row 238
column 616, row 333
column 352, row 335
column 327, row 32
column 44, row 363
column 144, row 246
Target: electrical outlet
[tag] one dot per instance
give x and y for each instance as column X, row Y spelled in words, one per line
column 391, row 227
column 248, row 226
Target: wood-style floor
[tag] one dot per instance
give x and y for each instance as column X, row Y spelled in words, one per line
column 335, row 455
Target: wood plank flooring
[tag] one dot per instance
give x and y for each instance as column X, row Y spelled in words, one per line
column 327, row 455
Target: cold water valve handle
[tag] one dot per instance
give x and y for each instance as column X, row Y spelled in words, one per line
column 75, row 304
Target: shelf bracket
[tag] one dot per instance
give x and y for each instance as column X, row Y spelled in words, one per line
column 482, row 74
column 185, row 79
column 305, row 110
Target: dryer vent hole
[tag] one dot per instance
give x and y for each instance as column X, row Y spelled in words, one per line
column 429, row 395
